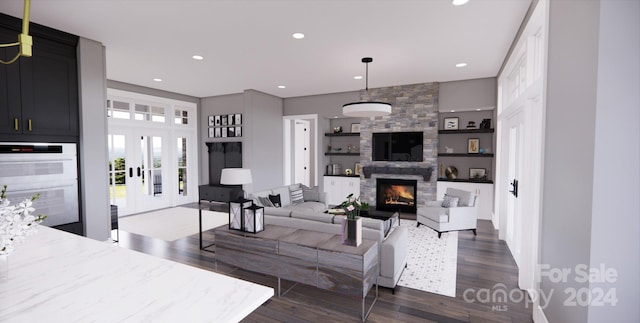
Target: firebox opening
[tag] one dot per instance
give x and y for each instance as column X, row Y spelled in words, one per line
column 396, row 194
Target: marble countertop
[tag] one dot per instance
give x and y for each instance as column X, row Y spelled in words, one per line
column 54, row 276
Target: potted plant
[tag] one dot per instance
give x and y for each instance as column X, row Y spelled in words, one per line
column 352, row 223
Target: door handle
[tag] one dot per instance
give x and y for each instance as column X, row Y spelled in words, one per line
column 138, row 171
column 29, row 123
column 130, row 172
column 16, row 124
column 514, row 191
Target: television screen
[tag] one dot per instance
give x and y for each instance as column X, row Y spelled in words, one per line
column 397, row 146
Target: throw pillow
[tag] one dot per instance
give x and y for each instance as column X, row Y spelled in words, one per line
column 450, row 201
column 311, row 194
column 275, row 200
column 296, row 196
column 265, row 201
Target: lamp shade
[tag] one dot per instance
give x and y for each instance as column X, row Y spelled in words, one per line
column 366, row 109
column 235, row 176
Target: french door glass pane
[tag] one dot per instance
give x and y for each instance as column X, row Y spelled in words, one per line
column 151, row 161
column 117, row 170
column 182, row 166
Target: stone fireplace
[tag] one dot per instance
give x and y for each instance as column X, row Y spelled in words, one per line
column 415, row 108
column 396, row 194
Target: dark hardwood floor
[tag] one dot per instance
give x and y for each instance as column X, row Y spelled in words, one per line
column 484, row 262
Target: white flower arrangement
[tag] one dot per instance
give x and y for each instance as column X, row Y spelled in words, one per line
column 16, row 221
column 352, row 207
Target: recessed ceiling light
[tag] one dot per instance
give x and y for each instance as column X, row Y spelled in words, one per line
column 357, row 77
column 461, row 64
column 282, row 87
column 453, row 110
column 459, row 2
column 157, row 80
column 478, row 109
column 298, row 35
column 197, row 57
column 335, row 117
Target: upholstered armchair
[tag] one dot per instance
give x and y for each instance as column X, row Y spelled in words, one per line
column 458, row 211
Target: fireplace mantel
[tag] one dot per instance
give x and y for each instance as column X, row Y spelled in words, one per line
column 425, row 172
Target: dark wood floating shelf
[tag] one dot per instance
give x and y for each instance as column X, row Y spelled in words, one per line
column 466, row 131
column 341, row 154
column 464, row 155
column 341, row 134
column 462, row 180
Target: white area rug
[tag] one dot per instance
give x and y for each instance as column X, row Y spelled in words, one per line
column 171, row 224
column 432, row 263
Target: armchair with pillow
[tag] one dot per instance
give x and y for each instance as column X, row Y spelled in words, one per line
column 458, row 211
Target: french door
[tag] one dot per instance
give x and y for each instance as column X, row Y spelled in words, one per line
column 139, row 165
column 512, row 141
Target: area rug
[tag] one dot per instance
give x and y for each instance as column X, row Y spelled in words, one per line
column 432, row 261
column 172, row 223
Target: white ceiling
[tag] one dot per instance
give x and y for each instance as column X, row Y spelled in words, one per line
column 247, row 44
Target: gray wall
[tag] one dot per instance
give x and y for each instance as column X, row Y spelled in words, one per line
column 325, row 105
column 590, row 212
column 615, row 226
column 93, row 140
column 218, row 105
column 263, row 149
column 468, row 95
column 150, row 91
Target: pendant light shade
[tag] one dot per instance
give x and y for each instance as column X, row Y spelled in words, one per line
column 365, row 109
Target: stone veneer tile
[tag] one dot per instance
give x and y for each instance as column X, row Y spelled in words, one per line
column 415, row 108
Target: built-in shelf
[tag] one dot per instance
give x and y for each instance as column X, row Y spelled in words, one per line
column 343, row 175
column 463, row 180
column 341, row 154
column 464, row 155
column 466, row 131
column 341, row 134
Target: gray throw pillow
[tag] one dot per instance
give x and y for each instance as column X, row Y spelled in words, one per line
column 450, row 201
column 311, row 194
column 297, row 196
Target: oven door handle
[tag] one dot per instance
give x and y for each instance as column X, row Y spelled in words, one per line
column 130, row 171
column 138, row 171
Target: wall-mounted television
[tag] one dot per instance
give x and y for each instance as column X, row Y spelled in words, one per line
column 397, row 146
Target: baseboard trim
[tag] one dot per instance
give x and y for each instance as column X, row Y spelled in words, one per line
column 538, row 315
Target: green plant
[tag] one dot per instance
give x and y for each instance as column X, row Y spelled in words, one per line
column 352, row 207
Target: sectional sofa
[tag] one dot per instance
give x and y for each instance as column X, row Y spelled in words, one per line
column 304, row 208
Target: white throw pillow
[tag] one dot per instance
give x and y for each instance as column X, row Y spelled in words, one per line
column 450, row 201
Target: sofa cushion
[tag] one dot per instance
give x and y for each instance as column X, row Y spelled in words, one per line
column 311, row 206
column 466, row 198
column 277, row 211
column 312, row 215
column 285, row 197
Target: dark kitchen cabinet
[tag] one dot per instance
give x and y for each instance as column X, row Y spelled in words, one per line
column 39, row 94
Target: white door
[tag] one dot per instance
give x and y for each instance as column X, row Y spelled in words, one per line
column 183, row 168
column 302, row 151
column 138, row 170
column 512, row 148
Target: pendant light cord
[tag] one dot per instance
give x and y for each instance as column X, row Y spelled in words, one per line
column 366, row 87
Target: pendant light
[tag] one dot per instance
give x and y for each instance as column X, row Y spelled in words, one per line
column 365, row 109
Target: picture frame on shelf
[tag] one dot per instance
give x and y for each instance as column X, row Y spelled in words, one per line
column 211, row 132
column 451, row 123
column 217, row 133
column 216, row 120
column 223, row 120
column 477, row 173
column 231, row 132
column 230, row 119
column 211, row 121
column 238, row 131
column 224, row 132
column 238, row 119
column 357, row 169
column 473, row 146
column 355, row 127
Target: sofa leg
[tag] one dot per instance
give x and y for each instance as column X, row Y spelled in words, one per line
column 418, row 225
column 474, row 232
column 439, row 234
column 393, row 291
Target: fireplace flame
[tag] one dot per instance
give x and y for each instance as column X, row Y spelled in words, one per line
column 399, row 194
